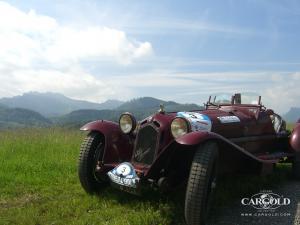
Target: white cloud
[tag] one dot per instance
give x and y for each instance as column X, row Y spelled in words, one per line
column 283, row 91
column 93, row 43
column 279, row 90
column 163, row 25
column 26, row 37
column 75, row 83
column 37, row 53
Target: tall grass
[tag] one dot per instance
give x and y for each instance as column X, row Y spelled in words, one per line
column 39, row 185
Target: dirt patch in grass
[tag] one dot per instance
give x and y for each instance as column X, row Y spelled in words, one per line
column 20, row 201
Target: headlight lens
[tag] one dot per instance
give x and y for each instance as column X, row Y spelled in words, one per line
column 179, row 127
column 127, row 123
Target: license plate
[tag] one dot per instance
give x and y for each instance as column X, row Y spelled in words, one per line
column 124, row 175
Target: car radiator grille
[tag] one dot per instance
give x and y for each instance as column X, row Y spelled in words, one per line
column 145, row 145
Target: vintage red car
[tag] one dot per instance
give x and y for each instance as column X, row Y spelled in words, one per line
column 233, row 134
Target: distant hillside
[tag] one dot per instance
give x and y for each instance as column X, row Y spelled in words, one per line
column 2, row 106
column 66, row 111
column 110, row 104
column 80, row 117
column 292, row 115
column 53, row 104
column 143, row 103
column 18, row 117
column 152, row 104
column 140, row 108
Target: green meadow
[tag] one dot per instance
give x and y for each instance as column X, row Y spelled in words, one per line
column 39, row 185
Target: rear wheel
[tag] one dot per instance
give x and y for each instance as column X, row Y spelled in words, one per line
column 91, row 153
column 201, row 184
column 296, row 166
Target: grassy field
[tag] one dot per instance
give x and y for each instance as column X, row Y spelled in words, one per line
column 39, row 185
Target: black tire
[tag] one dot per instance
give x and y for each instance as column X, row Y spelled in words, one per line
column 91, row 151
column 201, row 184
column 296, row 166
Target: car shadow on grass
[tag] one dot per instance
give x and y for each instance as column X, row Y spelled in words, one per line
column 170, row 205
column 230, row 189
column 229, row 210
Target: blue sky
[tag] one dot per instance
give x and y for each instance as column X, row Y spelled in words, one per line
column 173, row 50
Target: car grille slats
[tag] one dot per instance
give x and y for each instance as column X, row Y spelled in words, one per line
column 146, row 144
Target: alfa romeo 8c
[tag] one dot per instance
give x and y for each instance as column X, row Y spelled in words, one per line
column 230, row 134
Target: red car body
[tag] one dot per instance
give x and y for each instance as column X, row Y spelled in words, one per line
column 252, row 144
column 167, row 149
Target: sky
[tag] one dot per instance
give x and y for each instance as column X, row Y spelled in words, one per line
column 172, row 50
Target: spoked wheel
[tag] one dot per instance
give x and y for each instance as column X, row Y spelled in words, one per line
column 201, row 184
column 91, row 153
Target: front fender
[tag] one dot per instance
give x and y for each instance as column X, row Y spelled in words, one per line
column 195, row 138
column 118, row 146
column 232, row 156
column 295, row 138
column 103, row 126
column 198, row 137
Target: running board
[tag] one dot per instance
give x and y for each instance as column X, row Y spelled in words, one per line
column 273, row 156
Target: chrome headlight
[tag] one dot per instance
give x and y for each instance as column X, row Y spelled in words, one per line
column 127, row 123
column 179, row 126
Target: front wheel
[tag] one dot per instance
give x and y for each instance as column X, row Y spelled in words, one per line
column 91, row 153
column 201, row 184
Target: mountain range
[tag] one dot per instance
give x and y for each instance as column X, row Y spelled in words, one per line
column 54, row 104
column 19, row 117
column 57, row 109
column 47, row 109
column 292, row 115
